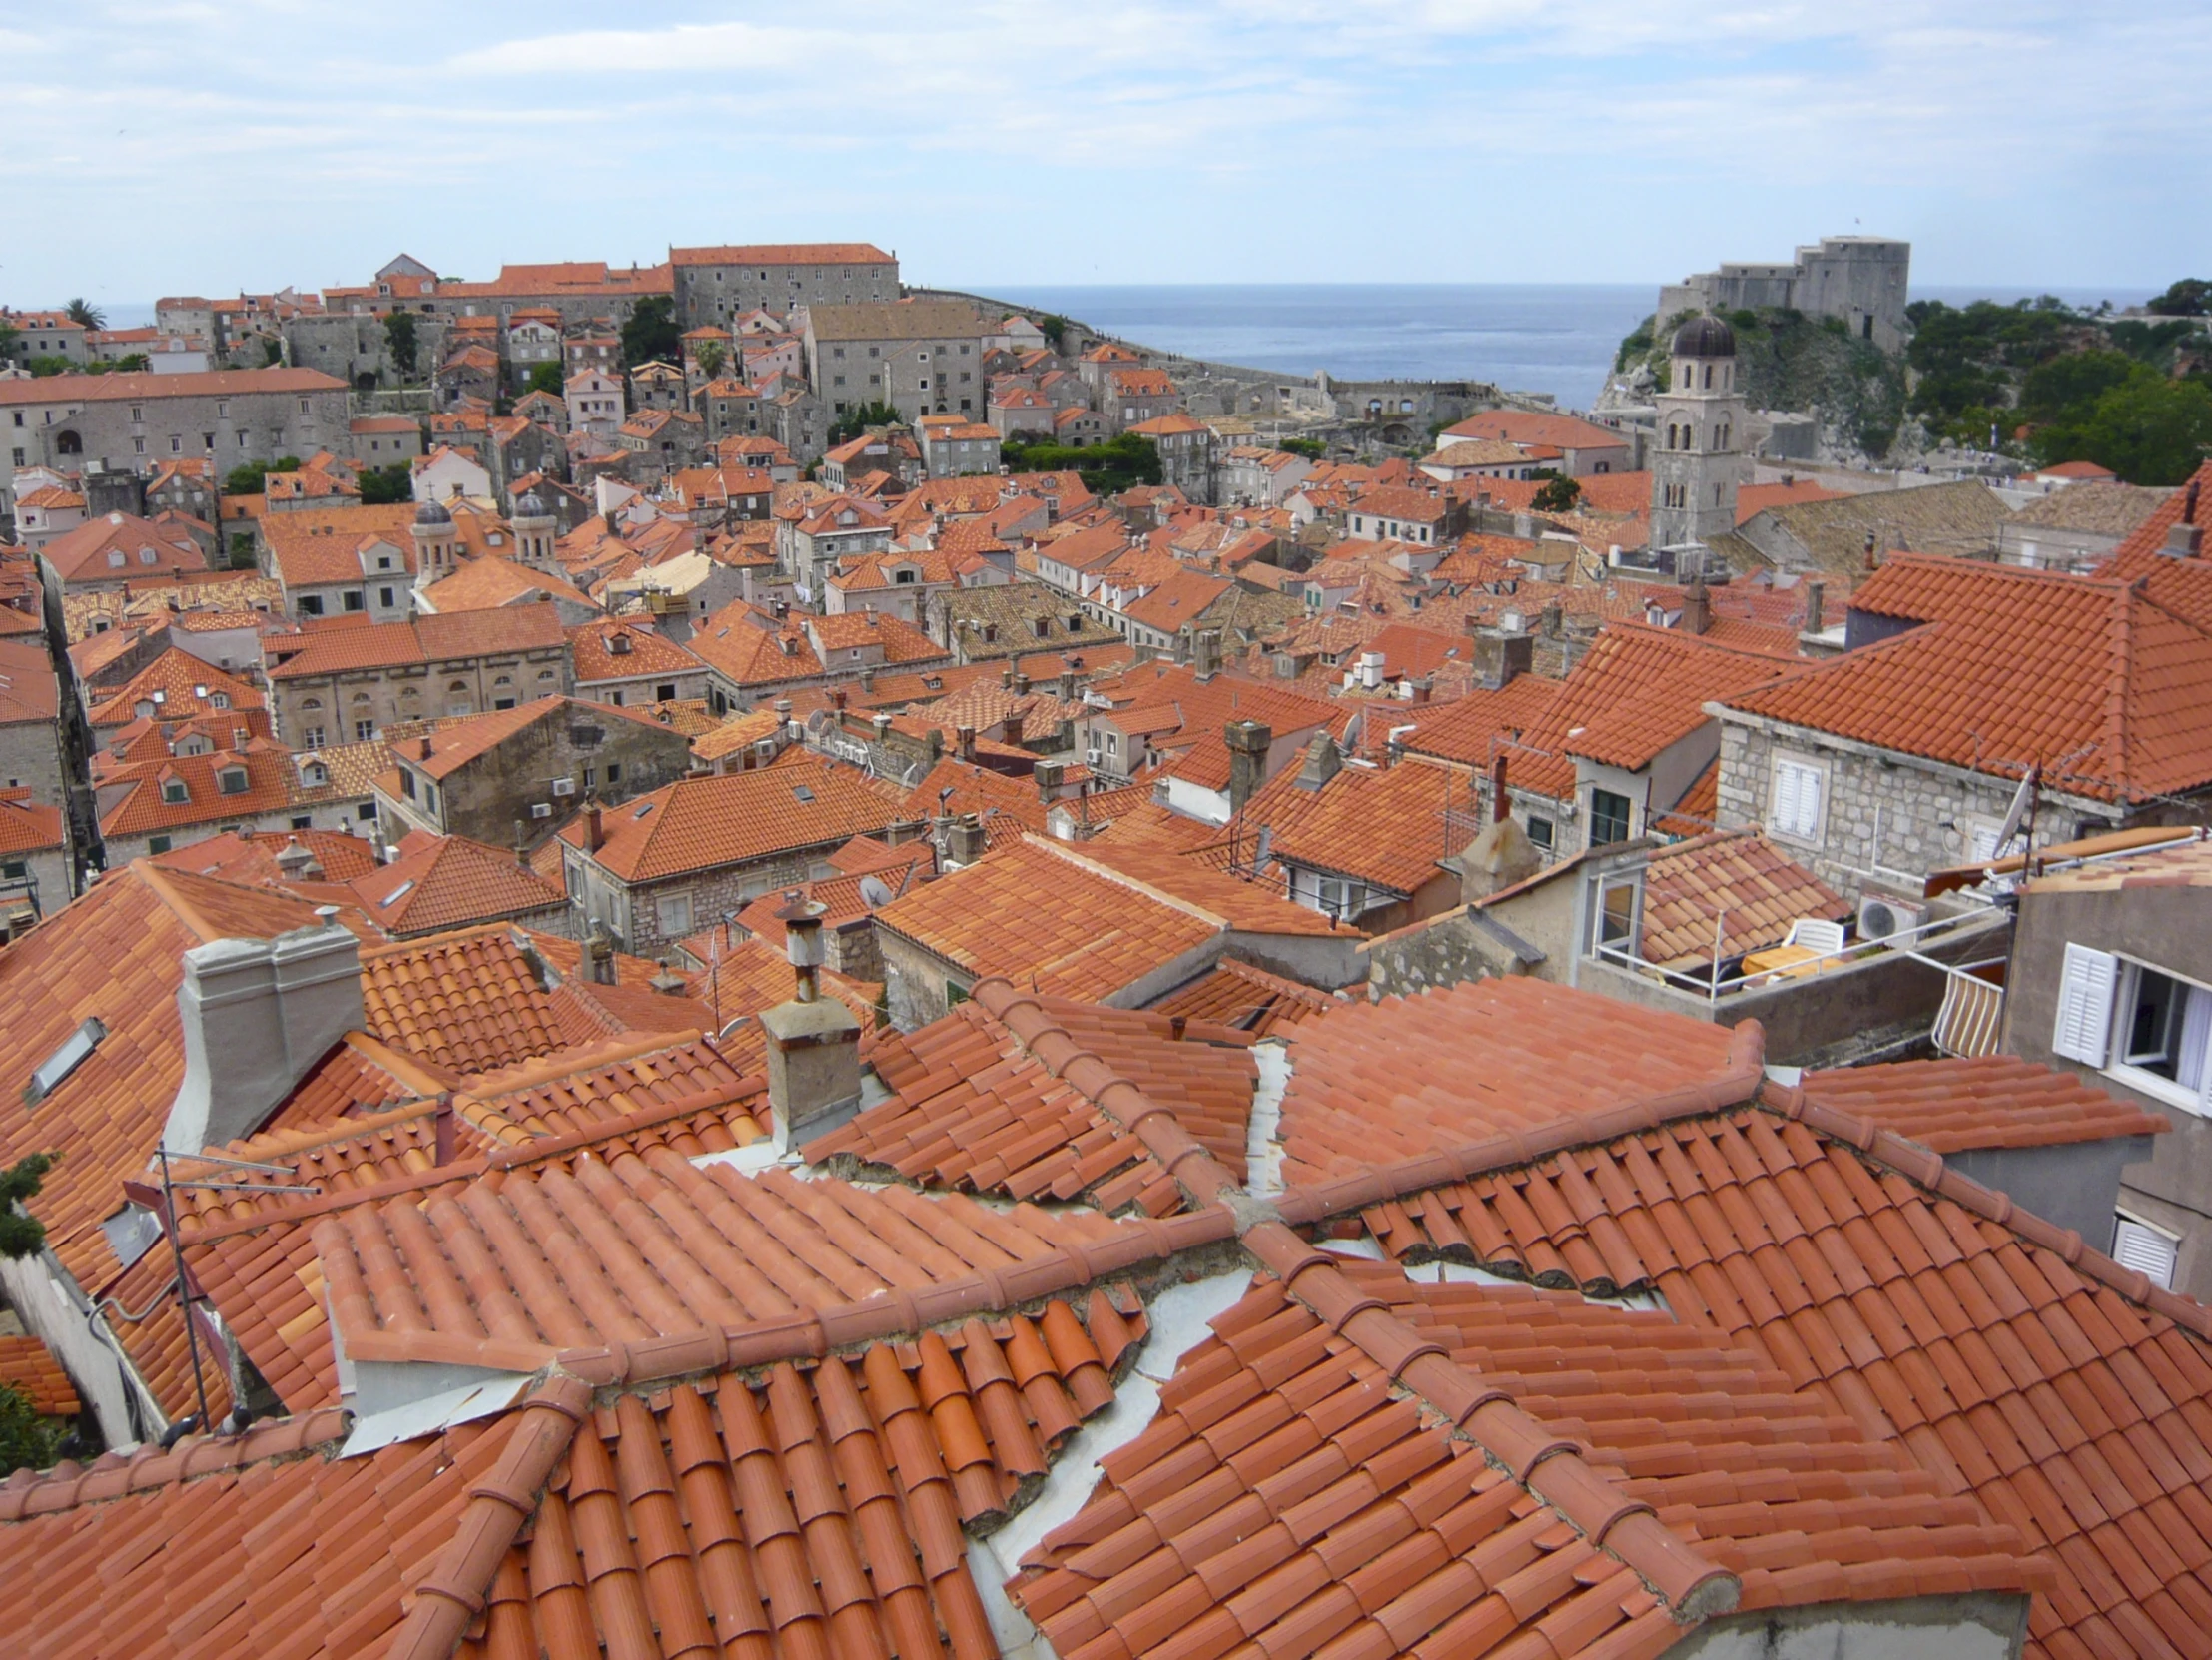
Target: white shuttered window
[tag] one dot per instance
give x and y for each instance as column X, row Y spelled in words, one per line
column 1796, row 800
column 2084, row 1029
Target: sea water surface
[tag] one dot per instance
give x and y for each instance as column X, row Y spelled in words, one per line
column 1556, row 337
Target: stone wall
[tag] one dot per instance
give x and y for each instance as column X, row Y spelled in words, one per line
column 1886, row 820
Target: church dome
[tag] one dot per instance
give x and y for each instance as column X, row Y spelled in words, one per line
column 532, row 506
column 431, row 512
column 1705, row 336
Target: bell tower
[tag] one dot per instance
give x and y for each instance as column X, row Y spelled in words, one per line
column 1696, row 459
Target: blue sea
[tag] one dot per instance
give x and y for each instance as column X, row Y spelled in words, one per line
column 1556, row 337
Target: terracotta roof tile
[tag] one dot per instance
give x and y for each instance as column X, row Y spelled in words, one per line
column 703, row 823
column 466, row 1002
column 975, row 1111
column 1735, row 878
column 2107, row 683
column 1953, row 1106
column 1249, row 998
column 454, row 883
column 28, row 1366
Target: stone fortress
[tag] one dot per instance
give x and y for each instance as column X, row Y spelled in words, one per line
column 1861, row 279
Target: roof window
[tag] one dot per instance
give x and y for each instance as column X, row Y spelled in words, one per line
column 397, row 894
column 231, row 781
column 75, row 1049
column 800, row 792
column 643, row 810
column 176, row 791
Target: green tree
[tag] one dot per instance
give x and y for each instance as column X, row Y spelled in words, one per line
column 271, row 351
column 2150, row 430
column 1312, row 449
column 21, row 1234
column 9, row 335
column 380, row 486
column 651, row 332
column 2191, row 297
column 849, row 427
column 399, row 339
column 86, row 315
column 545, row 378
column 710, row 357
column 1054, row 327
column 1105, row 469
column 1558, row 493
column 249, row 479
column 27, row 1441
column 2052, row 389
column 52, row 363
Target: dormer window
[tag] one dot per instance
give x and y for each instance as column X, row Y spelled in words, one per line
column 220, row 700
column 176, row 792
column 619, row 646
column 231, row 781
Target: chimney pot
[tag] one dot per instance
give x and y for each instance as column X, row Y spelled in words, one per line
column 1815, row 597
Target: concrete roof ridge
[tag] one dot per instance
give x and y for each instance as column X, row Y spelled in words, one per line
column 457, row 1587
column 1924, row 1166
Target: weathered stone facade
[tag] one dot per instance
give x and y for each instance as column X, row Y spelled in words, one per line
column 643, row 916
column 1884, row 818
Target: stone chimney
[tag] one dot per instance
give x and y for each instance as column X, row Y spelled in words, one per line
column 1050, row 778
column 882, row 724
column 1816, row 603
column 1205, row 651
column 1697, row 606
column 1550, row 618
column 1869, row 559
column 964, row 742
column 599, row 955
column 297, row 864
column 257, row 1015
column 1502, row 855
column 1322, row 763
column 1248, row 741
column 1499, row 656
column 2185, row 539
column 1067, row 685
column 813, row 1041
column 965, row 841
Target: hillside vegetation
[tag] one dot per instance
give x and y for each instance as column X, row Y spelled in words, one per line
column 2037, row 380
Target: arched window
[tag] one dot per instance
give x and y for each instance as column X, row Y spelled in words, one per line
column 311, row 703
column 459, row 686
column 1709, row 375
column 69, row 444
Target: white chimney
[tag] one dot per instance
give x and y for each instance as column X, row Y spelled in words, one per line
column 257, row 1015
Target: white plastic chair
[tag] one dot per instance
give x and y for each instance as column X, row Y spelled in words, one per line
column 1815, row 934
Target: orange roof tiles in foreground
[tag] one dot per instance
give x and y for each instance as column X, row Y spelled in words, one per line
column 28, row 1367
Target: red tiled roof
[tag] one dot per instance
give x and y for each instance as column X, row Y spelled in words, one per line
column 28, row 1367
column 1498, row 1056
column 783, row 253
column 702, row 823
column 426, row 639
column 2108, row 683
column 1955, row 1106
column 452, row 883
column 1247, row 999
column 974, row 1110
column 1383, row 825
column 1735, row 878
column 465, row 1001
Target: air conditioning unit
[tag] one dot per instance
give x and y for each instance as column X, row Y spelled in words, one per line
column 1881, row 918
column 565, row 786
column 541, row 809
column 1091, row 757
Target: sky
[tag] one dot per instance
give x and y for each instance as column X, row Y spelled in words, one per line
column 182, row 148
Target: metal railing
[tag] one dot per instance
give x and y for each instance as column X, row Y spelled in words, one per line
column 1714, row 986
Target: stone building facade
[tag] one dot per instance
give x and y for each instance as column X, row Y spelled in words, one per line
column 714, row 284
column 348, row 683
column 1881, row 820
column 79, row 422
column 1696, row 457
column 920, row 356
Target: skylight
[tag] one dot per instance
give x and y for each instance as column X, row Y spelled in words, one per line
column 398, row 893
column 75, row 1049
column 802, row 792
column 643, row 810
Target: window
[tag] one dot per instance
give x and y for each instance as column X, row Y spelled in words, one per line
column 1796, row 810
column 175, row 791
column 2145, row 1248
column 301, row 821
column 349, row 601
column 220, row 700
column 406, row 783
column 615, row 772
column 1619, row 909
column 1608, row 818
column 367, row 809
column 231, row 781
column 673, row 913
column 1539, row 833
column 364, row 731
column 313, row 737
column 158, row 844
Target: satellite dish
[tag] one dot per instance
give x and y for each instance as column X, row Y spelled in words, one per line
column 874, row 893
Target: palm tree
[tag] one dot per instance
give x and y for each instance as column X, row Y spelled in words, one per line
column 86, row 315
